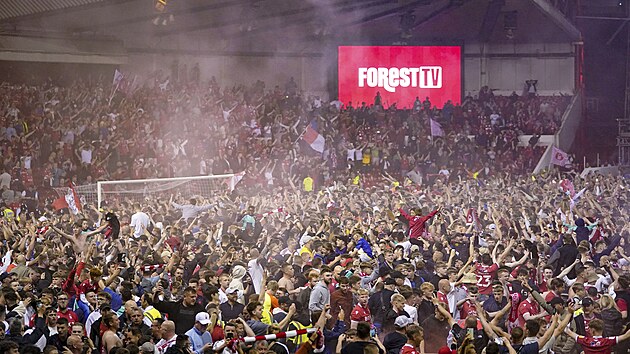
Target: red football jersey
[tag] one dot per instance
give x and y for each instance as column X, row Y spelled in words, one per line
column 361, row 314
column 485, row 275
column 596, row 345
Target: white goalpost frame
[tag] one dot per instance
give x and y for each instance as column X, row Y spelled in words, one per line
column 100, row 184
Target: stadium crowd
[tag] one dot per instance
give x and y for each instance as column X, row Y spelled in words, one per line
column 84, row 132
column 374, row 252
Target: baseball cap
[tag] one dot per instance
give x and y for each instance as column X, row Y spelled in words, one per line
column 147, row 347
column 587, row 301
column 402, row 321
column 231, row 290
column 397, row 274
column 203, row 318
column 390, row 281
column 556, row 301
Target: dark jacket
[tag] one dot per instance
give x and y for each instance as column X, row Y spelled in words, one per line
column 564, row 257
column 183, row 316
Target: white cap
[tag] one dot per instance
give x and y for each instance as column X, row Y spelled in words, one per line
column 203, row 318
column 402, row 321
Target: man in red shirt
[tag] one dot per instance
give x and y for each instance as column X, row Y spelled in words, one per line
column 64, row 312
column 415, row 337
column 596, row 344
column 486, row 272
column 529, row 309
column 361, row 312
column 417, row 221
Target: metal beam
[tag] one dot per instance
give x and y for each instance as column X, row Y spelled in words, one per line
column 66, row 10
column 493, row 10
column 342, row 6
column 612, row 38
column 603, row 18
column 445, row 8
column 386, row 13
column 300, row 21
column 558, row 17
column 151, row 14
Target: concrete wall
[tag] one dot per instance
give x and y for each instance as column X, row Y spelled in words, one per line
column 503, row 68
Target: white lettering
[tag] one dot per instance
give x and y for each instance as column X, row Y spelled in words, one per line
column 390, row 78
column 362, row 76
column 404, row 77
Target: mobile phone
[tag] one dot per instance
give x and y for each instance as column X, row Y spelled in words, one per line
column 122, row 258
column 373, row 332
column 471, row 332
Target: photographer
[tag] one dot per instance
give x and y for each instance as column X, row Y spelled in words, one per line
column 364, row 339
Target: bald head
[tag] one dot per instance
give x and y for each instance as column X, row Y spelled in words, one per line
column 75, row 344
column 130, row 305
column 444, row 285
column 168, row 327
column 74, row 340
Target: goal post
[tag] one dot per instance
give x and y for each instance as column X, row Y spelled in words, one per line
column 140, row 189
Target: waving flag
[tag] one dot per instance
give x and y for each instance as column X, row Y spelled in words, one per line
column 70, row 200
column 233, row 181
column 436, row 128
column 559, row 157
column 118, row 77
column 314, row 139
column 567, row 187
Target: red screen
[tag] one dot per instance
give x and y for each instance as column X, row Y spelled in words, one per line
column 400, row 74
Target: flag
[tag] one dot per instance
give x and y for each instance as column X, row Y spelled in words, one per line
column 163, row 86
column 567, row 187
column 472, row 218
column 118, row 77
column 233, row 181
column 559, row 157
column 436, row 128
column 314, row 139
column 70, row 200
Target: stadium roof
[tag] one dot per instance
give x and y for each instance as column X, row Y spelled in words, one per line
column 297, row 25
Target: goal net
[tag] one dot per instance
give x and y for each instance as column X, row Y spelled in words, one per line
column 138, row 190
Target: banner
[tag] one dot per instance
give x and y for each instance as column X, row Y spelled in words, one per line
column 400, row 74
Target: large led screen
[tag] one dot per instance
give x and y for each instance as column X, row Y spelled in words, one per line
column 400, row 74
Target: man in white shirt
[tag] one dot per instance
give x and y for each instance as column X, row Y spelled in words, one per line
column 139, row 221
column 5, row 179
column 168, row 337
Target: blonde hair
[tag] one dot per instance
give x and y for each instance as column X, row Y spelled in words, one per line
column 397, row 297
column 426, row 287
column 606, row 302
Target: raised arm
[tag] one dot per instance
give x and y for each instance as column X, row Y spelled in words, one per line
column 545, row 338
column 443, row 311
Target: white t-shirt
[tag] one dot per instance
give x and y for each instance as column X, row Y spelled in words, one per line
column 138, row 220
column 256, row 273
column 86, row 156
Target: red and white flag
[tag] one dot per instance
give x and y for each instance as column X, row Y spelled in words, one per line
column 233, row 181
column 70, row 200
column 559, row 157
column 436, row 128
column 567, row 187
column 314, row 139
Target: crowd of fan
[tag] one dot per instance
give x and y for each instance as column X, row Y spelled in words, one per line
column 502, row 264
column 87, row 131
